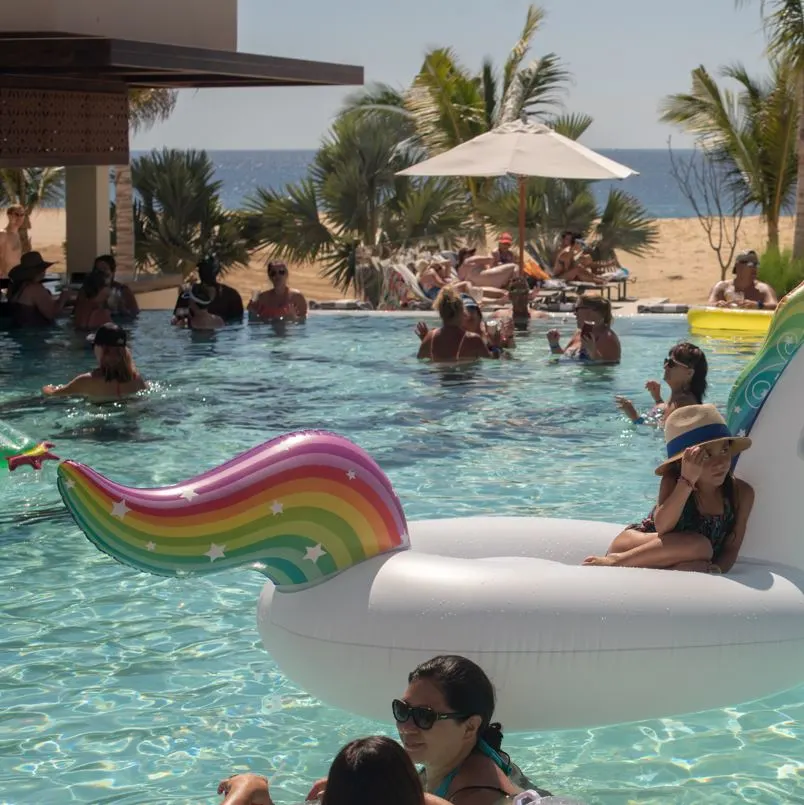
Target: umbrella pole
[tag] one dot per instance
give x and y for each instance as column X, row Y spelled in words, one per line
column 522, row 225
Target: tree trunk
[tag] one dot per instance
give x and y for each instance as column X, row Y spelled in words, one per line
column 798, row 237
column 773, row 233
column 124, row 220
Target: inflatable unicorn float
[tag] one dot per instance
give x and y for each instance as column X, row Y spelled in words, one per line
column 357, row 596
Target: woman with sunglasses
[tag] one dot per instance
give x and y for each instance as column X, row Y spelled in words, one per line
column 444, row 724
column 280, row 302
column 685, row 370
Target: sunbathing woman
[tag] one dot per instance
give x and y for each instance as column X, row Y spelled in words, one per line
column 437, row 274
column 574, row 261
column 486, row 271
column 115, row 377
column 699, row 521
column 685, row 371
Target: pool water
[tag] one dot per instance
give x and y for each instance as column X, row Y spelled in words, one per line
column 119, row 687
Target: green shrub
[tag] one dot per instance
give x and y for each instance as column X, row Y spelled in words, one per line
column 781, row 271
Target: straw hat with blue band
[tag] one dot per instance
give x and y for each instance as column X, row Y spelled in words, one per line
column 693, row 426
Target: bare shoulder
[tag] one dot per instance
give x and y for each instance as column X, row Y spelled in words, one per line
column 745, row 492
column 297, row 294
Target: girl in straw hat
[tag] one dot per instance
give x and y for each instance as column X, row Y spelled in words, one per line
column 700, row 519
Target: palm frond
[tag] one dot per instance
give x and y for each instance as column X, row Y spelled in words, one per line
column 536, row 88
column 533, row 20
column 573, row 126
column 149, row 106
column 488, row 83
column 625, row 225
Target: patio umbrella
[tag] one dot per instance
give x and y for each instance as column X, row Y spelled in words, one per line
column 521, row 149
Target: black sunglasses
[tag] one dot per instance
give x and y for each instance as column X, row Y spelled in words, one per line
column 277, row 272
column 670, row 362
column 423, row 717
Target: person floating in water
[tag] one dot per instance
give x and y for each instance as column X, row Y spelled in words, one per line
column 699, row 521
column 685, row 370
column 115, row 377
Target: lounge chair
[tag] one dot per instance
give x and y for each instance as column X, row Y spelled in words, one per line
column 401, row 285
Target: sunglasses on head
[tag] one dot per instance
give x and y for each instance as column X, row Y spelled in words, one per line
column 423, row 717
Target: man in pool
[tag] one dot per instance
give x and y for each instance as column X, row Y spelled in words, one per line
column 225, row 301
column 744, row 290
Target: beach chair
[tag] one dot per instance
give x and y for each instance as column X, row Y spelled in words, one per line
column 402, row 286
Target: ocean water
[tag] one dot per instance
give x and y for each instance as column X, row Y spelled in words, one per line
column 242, row 172
column 117, row 687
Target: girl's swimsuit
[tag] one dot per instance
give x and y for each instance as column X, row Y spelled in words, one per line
column 509, row 769
column 715, row 527
column 430, row 293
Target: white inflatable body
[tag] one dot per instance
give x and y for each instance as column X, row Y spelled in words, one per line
column 568, row 646
column 362, row 597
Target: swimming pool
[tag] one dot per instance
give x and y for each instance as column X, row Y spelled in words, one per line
column 117, row 687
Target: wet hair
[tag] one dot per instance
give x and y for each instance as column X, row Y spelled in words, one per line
column 372, row 770
column 568, row 233
column 116, row 364
column 466, row 689
column 108, row 260
column 449, row 305
column 599, row 305
column 693, row 358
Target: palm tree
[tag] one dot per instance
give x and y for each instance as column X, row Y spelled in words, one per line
column 448, row 104
column 31, row 188
column 353, row 204
column 146, row 107
column 557, row 205
column 179, row 217
column 784, row 27
column 751, row 133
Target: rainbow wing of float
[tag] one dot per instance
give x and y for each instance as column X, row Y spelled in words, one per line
column 756, row 381
column 299, row 508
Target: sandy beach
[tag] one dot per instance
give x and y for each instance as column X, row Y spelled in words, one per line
column 683, row 268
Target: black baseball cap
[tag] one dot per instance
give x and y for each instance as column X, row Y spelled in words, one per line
column 109, row 335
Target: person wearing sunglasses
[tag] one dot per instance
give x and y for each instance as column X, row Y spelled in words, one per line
column 281, row 302
column 743, row 290
column 444, row 724
column 685, row 370
column 10, row 242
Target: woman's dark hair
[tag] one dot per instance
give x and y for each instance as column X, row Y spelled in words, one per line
column 106, row 259
column 599, row 305
column 568, row 233
column 466, row 689
column 463, row 254
column 370, row 771
column 693, row 358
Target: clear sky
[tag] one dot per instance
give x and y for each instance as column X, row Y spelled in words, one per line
column 625, row 55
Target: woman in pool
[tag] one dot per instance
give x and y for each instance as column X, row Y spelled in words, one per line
column 30, row 303
column 685, row 370
column 594, row 341
column 451, row 341
column 444, row 723
column 699, row 521
column 367, row 771
column 281, row 301
column 91, row 306
column 198, row 315
column 498, row 334
column 115, row 377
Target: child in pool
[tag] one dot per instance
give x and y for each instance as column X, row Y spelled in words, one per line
column 699, row 521
column 685, row 370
